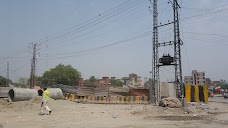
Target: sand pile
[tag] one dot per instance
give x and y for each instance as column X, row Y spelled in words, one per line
column 31, row 105
column 4, row 102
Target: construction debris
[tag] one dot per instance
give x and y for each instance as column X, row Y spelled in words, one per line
column 170, row 102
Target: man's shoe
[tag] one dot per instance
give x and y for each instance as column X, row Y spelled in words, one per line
column 50, row 112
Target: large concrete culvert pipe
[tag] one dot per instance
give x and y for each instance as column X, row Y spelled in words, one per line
column 22, row 94
column 55, row 93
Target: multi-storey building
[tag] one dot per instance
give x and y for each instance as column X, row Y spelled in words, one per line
column 197, row 78
column 133, row 81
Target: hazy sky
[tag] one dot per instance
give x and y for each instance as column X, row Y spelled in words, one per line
column 78, row 32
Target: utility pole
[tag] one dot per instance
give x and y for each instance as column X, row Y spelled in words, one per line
column 167, row 60
column 7, row 76
column 155, row 62
column 33, row 66
column 151, row 88
column 177, row 50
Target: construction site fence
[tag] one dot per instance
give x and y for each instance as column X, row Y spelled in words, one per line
column 107, row 99
column 196, row 93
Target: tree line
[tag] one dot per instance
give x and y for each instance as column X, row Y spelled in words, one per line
column 61, row 74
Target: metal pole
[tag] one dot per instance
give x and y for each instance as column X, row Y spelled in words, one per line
column 155, row 61
column 177, row 50
column 7, row 77
column 33, row 67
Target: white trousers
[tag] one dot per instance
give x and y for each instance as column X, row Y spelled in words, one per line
column 45, row 107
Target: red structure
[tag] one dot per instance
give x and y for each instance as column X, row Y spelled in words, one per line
column 101, row 83
column 80, row 83
column 104, row 82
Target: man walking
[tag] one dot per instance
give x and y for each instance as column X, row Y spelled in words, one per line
column 44, row 104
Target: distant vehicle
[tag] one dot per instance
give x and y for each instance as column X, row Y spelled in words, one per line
column 225, row 95
column 211, row 94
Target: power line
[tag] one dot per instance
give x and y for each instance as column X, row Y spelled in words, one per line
column 96, row 36
column 104, row 25
column 20, row 67
column 205, row 34
column 120, row 6
column 90, row 20
column 105, row 46
column 209, row 38
column 202, row 15
column 92, row 23
column 206, row 41
column 133, row 3
column 115, row 8
column 138, row 19
column 14, row 53
column 106, row 18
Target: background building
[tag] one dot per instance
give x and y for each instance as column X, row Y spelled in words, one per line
column 133, row 81
column 197, row 78
column 104, row 82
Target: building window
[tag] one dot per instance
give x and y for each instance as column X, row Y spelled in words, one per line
column 198, row 82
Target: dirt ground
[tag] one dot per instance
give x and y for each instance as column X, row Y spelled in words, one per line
column 68, row 114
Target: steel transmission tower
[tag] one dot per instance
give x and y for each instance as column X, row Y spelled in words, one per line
column 155, row 68
column 167, row 60
column 33, row 66
column 177, row 50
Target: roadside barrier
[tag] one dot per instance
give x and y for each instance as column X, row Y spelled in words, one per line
column 107, row 100
column 197, row 94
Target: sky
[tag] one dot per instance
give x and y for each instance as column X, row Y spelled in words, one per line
column 111, row 37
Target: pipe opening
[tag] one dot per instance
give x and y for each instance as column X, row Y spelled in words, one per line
column 40, row 92
column 11, row 94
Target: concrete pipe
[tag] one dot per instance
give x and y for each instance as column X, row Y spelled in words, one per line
column 4, row 92
column 22, row 94
column 55, row 93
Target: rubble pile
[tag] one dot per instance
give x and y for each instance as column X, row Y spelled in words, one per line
column 170, row 102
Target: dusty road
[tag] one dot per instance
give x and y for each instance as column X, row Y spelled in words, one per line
column 218, row 99
column 67, row 114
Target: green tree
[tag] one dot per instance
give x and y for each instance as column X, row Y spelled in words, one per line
column 225, row 86
column 61, row 74
column 116, row 83
column 22, row 82
column 3, row 81
column 92, row 82
column 148, row 83
column 39, row 81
